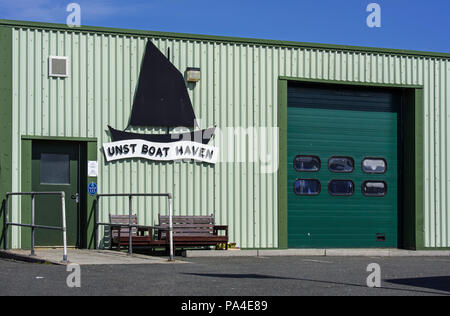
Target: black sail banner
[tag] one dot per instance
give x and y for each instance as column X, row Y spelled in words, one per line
column 161, row 97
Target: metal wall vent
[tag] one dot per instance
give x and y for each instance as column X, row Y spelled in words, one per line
column 58, row 66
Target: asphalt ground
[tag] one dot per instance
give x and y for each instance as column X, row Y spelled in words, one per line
column 255, row 276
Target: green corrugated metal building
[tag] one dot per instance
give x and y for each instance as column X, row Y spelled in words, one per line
column 357, row 143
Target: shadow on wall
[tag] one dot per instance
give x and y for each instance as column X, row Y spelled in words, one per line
column 2, row 223
column 105, row 242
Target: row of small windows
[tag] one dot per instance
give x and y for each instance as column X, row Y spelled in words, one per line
column 340, row 187
column 340, row 164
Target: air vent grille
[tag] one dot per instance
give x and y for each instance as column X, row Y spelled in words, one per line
column 58, row 66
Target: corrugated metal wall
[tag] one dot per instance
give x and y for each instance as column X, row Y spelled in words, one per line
column 238, row 89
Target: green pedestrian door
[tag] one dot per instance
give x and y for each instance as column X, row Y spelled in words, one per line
column 55, row 167
column 342, row 166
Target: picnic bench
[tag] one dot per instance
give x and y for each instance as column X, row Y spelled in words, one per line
column 192, row 231
column 119, row 234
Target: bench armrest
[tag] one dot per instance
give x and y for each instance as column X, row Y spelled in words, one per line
column 141, row 231
column 161, row 229
column 216, row 229
column 115, row 227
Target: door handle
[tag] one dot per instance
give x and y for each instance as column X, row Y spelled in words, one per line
column 76, row 197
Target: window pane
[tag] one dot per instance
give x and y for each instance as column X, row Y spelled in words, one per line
column 341, row 164
column 374, row 188
column 307, row 163
column 307, row 187
column 55, row 169
column 374, row 165
column 341, row 187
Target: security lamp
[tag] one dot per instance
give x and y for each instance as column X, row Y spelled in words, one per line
column 193, row 74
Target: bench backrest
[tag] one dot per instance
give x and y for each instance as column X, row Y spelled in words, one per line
column 189, row 225
column 123, row 219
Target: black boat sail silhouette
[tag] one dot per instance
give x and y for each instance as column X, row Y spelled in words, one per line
column 161, row 100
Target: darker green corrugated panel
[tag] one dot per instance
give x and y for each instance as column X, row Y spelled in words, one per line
column 282, row 171
column 5, row 120
column 26, row 186
column 419, row 146
column 91, row 29
column 409, row 178
column 91, row 153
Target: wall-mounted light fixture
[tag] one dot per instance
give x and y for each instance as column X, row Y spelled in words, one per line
column 193, row 74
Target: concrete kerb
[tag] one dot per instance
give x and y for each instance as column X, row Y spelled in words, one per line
column 419, row 253
column 90, row 257
column 219, row 253
column 316, row 252
column 10, row 255
column 291, row 252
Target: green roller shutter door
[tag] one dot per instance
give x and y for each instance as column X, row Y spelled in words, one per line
column 338, row 121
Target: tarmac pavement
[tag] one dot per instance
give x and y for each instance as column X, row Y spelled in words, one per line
column 236, row 276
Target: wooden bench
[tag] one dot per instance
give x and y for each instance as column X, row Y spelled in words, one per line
column 193, row 231
column 119, row 235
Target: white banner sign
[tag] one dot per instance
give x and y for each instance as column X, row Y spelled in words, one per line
column 136, row 148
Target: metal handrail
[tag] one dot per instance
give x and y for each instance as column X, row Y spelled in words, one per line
column 130, row 224
column 32, row 225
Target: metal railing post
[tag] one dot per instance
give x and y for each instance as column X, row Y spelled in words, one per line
column 130, row 224
column 130, row 237
column 6, row 222
column 32, row 224
column 64, row 228
column 170, row 228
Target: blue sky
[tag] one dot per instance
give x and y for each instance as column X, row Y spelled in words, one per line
column 406, row 24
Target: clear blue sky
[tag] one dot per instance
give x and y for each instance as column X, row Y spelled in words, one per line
column 406, row 24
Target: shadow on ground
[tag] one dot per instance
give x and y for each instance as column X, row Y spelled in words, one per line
column 433, row 283
column 240, row 276
column 440, row 283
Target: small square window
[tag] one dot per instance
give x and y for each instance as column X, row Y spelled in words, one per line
column 374, row 165
column 341, row 188
column 374, row 188
column 307, row 163
column 55, row 169
column 341, row 164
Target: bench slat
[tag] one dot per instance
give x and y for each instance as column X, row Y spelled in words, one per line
column 187, row 219
column 199, row 226
column 124, row 231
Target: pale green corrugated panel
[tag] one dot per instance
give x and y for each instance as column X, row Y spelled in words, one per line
column 238, row 89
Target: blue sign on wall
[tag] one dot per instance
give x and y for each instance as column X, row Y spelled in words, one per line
column 92, row 188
